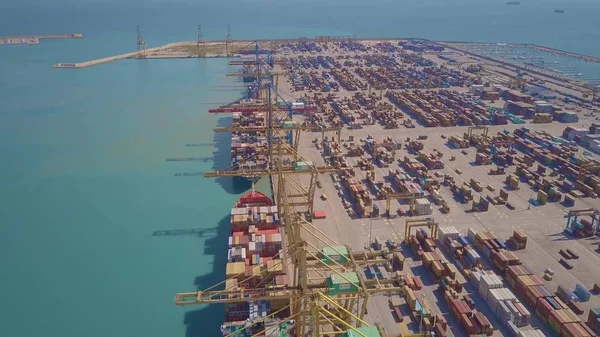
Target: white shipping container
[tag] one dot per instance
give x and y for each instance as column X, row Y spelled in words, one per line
column 533, row 333
column 473, row 254
column 476, row 279
column 498, row 295
column 297, row 105
column 580, row 131
column 492, row 281
column 447, row 232
column 517, row 319
column 513, row 328
column 483, row 290
column 504, row 312
column 525, row 318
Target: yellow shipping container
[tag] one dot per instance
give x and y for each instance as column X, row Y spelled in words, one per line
column 572, row 317
column 561, row 303
column 275, row 266
column 234, row 268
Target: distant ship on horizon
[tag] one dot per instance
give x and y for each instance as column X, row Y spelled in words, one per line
column 513, row 2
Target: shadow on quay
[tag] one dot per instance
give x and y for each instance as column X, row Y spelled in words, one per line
column 222, row 160
column 207, row 320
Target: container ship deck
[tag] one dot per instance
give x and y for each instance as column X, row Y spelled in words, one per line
column 253, row 261
column 249, row 149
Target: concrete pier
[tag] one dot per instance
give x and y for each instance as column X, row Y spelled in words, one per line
column 117, row 57
column 164, row 52
column 35, row 39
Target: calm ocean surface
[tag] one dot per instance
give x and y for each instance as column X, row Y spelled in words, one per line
column 84, row 181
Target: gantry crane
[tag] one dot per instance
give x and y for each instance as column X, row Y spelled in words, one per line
column 141, row 44
column 427, row 222
column 281, row 172
column 200, row 45
column 313, row 302
column 267, row 74
column 286, row 126
column 469, row 134
column 585, row 168
column 411, row 197
column 573, row 215
column 228, row 43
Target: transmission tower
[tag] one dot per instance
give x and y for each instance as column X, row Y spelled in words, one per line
column 141, row 44
column 228, row 43
column 200, row 43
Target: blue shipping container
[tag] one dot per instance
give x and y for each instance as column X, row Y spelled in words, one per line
column 582, row 293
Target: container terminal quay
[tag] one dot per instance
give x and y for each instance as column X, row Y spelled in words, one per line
column 418, row 189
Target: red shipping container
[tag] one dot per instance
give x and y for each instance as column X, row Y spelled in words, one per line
column 576, row 307
column 467, row 324
column 409, row 281
column 440, row 331
column 454, row 306
column 520, row 289
column 268, row 231
column 588, row 330
column 478, row 328
column 319, row 214
column 461, row 308
column 543, row 307
column 418, row 283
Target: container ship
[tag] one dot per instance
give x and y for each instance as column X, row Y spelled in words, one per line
column 249, row 149
column 254, row 264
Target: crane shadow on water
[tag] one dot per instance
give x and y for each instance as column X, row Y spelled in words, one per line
column 222, row 160
column 207, row 320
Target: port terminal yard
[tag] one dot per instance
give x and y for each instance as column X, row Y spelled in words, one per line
column 544, row 224
column 456, row 147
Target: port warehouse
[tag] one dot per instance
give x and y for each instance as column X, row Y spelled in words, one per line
column 479, row 272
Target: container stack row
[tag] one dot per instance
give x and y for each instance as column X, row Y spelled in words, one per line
column 470, row 320
column 248, row 149
column 260, row 218
column 359, row 192
column 502, row 301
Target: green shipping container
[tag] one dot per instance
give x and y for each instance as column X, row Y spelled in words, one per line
column 338, row 254
column 342, row 283
column 367, row 331
column 288, row 125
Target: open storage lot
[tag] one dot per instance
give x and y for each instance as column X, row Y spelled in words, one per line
column 369, row 89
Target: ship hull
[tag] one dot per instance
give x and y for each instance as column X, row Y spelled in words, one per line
column 255, row 240
column 246, row 179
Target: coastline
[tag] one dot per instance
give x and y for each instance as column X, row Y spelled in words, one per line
column 216, row 49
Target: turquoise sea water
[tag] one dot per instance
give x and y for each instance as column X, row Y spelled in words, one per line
column 84, row 181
